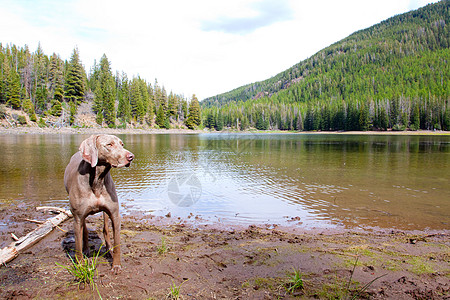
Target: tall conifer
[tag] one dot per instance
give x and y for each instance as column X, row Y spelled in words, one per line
column 75, row 87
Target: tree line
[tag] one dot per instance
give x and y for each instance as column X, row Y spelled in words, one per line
column 45, row 86
column 393, row 75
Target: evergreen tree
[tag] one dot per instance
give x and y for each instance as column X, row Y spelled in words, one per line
column 28, row 107
column 41, row 99
column 56, row 77
column 72, row 111
column 219, row 122
column 364, row 120
column 99, row 118
column 261, row 123
column 383, row 119
column 3, row 78
column 124, row 107
column 105, row 94
column 210, row 121
column 446, row 120
column 137, row 104
column 161, row 117
column 415, row 117
column 193, row 119
column 184, row 109
column 56, row 109
column 13, row 90
column 75, row 86
column 56, row 104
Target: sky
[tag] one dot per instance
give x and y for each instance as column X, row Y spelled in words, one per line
column 201, row 47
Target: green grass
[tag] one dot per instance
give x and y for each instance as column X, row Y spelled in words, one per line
column 163, row 248
column 294, row 282
column 420, row 266
column 175, row 291
column 85, row 270
column 260, row 283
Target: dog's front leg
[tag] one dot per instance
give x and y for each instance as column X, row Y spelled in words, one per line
column 115, row 218
column 78, row 230
column 106, row 231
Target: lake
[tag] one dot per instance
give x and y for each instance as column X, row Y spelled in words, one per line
column 311, row 180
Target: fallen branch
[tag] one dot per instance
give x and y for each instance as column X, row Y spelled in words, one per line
column 14, row 237
column 55, row 209
column 33, row 221
column 12, row 251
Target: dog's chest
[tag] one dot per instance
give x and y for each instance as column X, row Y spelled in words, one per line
column 97, row 202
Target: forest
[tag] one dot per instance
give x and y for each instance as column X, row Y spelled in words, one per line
column 46, row 87
column 394, row 75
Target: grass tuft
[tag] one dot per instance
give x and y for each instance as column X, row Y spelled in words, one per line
column 163, row 248
column 85, row 270
column 175, row 291
column 294, row 282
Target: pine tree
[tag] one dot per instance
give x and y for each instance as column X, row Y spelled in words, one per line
column 2, row 85
column 13, row 90
column 137, row 105
column 219, row 122
column 415, row 117
column 75, row 87
column 56, row 77
column 364, row 120
column 41, row 99
column 73, row 112
column 193, row 119
column 56, row 109
column 210, row 121
column 28, row 107
column 105, row 94
column 124, row 108
column 173, row 105
column 184, row 109
column 161, row 117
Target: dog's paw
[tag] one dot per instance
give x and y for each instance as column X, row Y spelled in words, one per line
column 116, row 269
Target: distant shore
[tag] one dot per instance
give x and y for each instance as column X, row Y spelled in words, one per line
column 88, row 130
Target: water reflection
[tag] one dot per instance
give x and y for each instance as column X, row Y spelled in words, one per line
column 325, row 180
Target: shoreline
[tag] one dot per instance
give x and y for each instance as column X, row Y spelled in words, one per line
column 91, row 130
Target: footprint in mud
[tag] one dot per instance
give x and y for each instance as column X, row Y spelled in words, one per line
column 94, row 241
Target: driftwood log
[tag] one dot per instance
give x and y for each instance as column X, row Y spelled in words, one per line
column 12, row 251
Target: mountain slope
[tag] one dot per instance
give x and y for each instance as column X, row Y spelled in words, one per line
column 392, row 68
column 398, row 37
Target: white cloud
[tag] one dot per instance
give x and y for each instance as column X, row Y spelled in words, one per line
column 262, row 14
column 199, row 46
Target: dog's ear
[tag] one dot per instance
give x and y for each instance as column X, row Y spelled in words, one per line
column 88, row 149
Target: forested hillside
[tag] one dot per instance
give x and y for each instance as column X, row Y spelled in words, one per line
column 50, row 91
column 393, row 75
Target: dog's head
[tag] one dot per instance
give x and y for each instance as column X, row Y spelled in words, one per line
column 105, row 148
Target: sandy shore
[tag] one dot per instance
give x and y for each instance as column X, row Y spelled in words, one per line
column 214, row 262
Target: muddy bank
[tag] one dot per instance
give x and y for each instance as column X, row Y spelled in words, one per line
column 213, row 262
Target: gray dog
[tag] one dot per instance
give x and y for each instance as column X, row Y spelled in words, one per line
column 91, row 189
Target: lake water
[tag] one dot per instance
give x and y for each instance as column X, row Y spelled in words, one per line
column 314, row 180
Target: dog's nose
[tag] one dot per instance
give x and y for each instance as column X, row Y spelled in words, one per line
column 130, row 156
